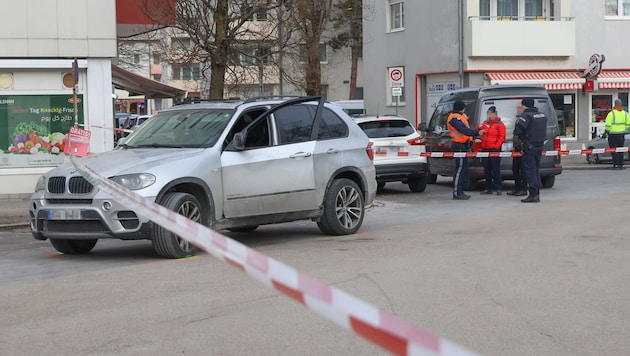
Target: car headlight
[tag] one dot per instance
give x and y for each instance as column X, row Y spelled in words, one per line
column 41, row 184
column 135, row 181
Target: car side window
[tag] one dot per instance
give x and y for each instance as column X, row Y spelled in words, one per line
column 331, row 126
column 294, row 123
column 241, row 123
column 258, row 135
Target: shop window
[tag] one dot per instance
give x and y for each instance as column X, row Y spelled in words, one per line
column 564, row 105
column 601, row 106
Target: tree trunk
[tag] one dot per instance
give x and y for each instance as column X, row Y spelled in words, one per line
column 353, row 72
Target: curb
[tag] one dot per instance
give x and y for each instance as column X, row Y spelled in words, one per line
column 9, row 227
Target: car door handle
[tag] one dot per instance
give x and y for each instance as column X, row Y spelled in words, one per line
column 300, row 154
column 332, row 150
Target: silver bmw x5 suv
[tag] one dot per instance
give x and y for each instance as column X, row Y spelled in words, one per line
column 227, row 164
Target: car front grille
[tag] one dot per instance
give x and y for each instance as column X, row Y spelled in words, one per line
column 76, row 185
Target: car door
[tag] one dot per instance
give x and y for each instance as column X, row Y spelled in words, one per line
column 439, row 140
column 274, row 172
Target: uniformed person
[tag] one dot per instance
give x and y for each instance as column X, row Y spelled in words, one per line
column 461, row 137
column 617, row 122
column 531, row 129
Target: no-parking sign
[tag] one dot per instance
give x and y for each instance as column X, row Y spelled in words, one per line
column 396, row 77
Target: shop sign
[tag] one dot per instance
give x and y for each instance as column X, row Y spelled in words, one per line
column 594, row 66
column 33, row 129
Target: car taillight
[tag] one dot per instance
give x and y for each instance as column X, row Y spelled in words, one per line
column 417, row 141
column 556, row 143
column 370, row 151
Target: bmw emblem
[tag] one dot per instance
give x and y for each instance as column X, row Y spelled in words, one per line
column 73, row 171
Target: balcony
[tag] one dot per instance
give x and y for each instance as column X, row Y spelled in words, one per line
column 492, row 36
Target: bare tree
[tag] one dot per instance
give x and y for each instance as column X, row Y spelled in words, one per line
column 348, row 21
column 217, row 30
column 310, row 18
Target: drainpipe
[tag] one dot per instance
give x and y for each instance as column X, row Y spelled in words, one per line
column 460, row 30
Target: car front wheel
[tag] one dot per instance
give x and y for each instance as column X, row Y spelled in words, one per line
column 418, row 185
column 168, row 244
column 343, row 208
column 73, row 247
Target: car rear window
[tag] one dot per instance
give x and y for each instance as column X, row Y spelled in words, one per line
column 387, row 128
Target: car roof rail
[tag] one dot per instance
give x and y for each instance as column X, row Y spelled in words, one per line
column 198, row 101
column 271, row 97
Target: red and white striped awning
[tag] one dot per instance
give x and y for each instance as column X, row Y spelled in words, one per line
column 609, row 80
column 551, row 80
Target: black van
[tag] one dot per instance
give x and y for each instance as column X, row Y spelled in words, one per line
column 505, row 98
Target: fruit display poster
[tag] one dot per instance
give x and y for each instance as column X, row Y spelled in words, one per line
column 33, row 129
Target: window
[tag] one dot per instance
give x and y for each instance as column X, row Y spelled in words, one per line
column 564, row 106
column 185, row 72
column 136, row 58
column 157, row 58
column 256, row 14
column 396, row 15
column 507, row 8
column 484, row 8
column 295, row 124
column 323, row 53
column 251, row 56
column 331, row 126
column 617, row 8
column 515, row 9
column 181, row 43
column 533, row 8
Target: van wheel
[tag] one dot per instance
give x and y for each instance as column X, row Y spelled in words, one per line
column 548, row 181
column 166, row 243
column 432, row 179
column 73, row 247
column 343, row 208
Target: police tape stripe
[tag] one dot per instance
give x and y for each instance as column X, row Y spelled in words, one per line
column 87, row 127
column 518, row 154
column 353, row 314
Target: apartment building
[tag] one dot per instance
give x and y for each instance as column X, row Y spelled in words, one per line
column 429, row 48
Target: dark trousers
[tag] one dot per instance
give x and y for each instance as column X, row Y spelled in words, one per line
column 520, row 181
column 616, row 140
column 492, row 171
column 460, row 173
column 531, row 165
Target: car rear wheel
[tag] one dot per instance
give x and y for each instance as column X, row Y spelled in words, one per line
column 73, row 247
column 418, row 185
column 592, row 159
column 343, row 208
column 168, row 244
column 548, row 181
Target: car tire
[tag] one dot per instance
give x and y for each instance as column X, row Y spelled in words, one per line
column 470, row 184
column 344, row 208
column 432, row 179
column 73, row 247
column 169, row 245
column 244, row 228
column 418, row 185
column 548, row 181
column 592, row 158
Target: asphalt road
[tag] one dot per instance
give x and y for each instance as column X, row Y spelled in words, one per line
column 492, row 274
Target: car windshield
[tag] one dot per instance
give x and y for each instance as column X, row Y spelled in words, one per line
column 506, row 110
column 184, row 128
column 386, row 128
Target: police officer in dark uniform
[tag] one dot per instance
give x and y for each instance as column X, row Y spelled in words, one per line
column 520, row 181
column 531, row 128
column 461, row 138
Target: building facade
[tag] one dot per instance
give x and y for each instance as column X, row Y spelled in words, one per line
column 446, row 45
column 40, row 40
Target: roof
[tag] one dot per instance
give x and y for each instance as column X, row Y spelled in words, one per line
column 551, row 80
column 138, row 85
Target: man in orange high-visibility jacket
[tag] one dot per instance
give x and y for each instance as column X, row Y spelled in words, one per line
column 461, row 136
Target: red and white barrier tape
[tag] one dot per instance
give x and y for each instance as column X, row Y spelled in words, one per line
column 353, row 314
column 107, row 128
column 518, row 154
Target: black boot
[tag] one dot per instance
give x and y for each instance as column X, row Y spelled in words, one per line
column 531, row 199
column 518, row 193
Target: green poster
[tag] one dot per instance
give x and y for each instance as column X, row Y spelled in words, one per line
column 33, row 128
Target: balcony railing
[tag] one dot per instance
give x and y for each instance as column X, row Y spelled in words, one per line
column 522, row 36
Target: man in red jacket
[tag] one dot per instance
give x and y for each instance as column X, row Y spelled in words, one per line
column 492, row 141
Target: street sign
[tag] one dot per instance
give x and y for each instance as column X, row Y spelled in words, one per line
column 594, row 66
column 396, row 77
column 397, row 91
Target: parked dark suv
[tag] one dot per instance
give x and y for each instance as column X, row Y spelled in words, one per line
column 505, row 98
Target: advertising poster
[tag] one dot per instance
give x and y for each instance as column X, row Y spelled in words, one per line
column 33, row 129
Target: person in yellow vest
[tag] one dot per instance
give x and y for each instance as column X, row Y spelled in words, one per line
column 461, row 136
column 617, row 122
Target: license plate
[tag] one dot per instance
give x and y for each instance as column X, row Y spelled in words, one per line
column 64, row 214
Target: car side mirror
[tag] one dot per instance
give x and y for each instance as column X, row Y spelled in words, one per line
column 422, row 127
column 238, row 142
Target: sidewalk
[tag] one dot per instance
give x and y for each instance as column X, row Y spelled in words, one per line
column 14, row 210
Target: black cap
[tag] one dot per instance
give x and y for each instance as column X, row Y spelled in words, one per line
column 492, row 109
column 459, row 105
column 528, row 102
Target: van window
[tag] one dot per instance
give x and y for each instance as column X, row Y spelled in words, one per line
column 506, row 110
column 437, row 123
